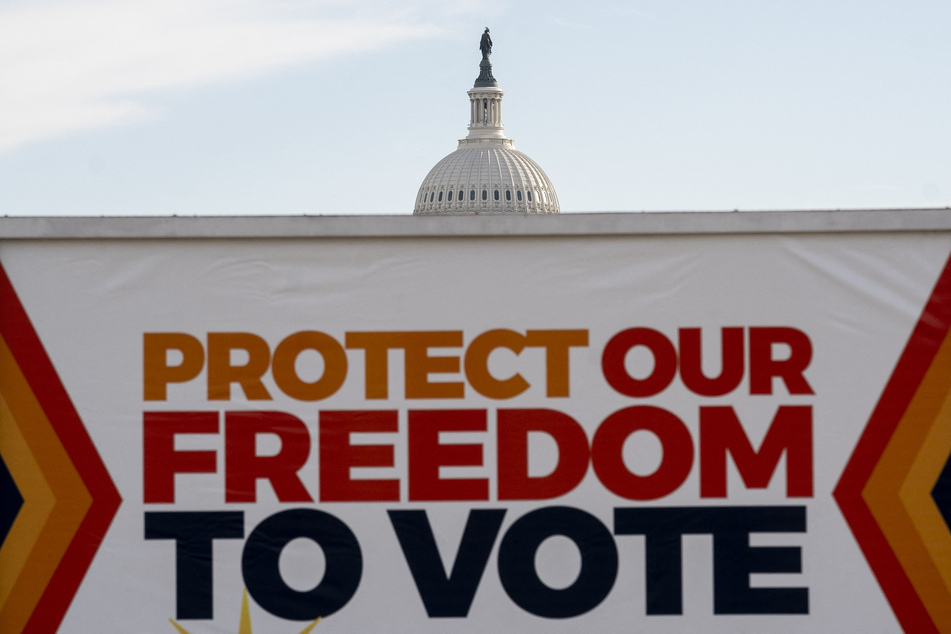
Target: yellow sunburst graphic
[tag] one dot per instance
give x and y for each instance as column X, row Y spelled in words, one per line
column 245, row 626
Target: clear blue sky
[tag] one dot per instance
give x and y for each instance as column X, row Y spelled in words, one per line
column 193, row 107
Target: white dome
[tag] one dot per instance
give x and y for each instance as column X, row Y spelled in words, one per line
column 486, row 175
column 490, row 179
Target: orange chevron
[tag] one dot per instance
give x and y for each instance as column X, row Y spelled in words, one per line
column 899, row 490
column 37, row 506
column 69, row 499
column 887, row 490
column 929, row 523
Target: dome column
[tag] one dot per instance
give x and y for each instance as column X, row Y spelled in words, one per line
column 485, row 121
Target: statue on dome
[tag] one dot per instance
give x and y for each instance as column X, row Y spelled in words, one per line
column 485, row 45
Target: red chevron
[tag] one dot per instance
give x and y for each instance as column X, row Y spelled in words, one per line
column 909, row 372
column 25, row 345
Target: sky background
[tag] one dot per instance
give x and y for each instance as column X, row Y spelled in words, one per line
column 261, row 107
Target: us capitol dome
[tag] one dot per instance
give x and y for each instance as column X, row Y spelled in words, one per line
column 486, row 174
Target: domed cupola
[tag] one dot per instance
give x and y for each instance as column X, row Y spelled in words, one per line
column 486, row 174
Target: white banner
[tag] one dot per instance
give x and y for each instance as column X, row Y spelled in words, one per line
column 431, row 434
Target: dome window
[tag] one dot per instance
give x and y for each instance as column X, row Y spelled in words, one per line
column 440, row 197
column 431, row 196
column 496, row 194
column 471, row 194
column 485, row 195
column 460, row 195
column 529, row 195
column 508, row 194
column 518, row 195
column 449, row 198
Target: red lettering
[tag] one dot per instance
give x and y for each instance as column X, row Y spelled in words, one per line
column 161, row 461
column 244, row 467
column 427, row 455
column 608, row 460
column 665, row 362
column 514, row 426
column 722, row 432
column 691, row 365
column 337, row 456
column 763, row 367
